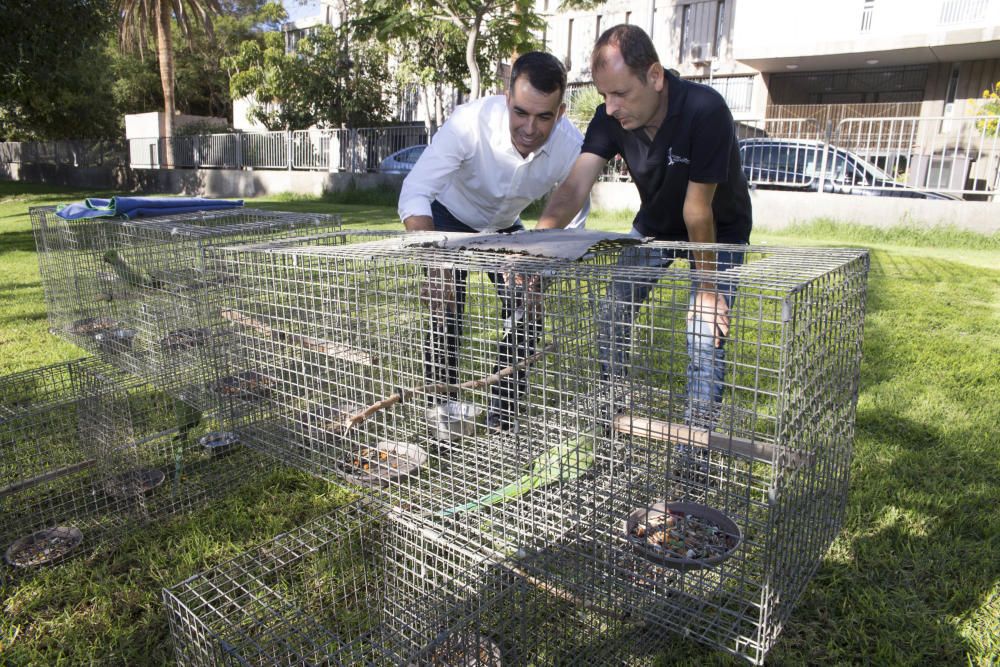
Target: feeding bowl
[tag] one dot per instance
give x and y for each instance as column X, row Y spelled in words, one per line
column 184, row 339
column 452, row 420
column 387, row 461
column 43, row 547
column 115, row 341
column 89, row 326
column 138, row 482
column 218, row 443
column 247, row 386
column 680, row 535
column 468, row 649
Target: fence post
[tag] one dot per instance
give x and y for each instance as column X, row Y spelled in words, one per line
column 288, row 142
column 828, row 135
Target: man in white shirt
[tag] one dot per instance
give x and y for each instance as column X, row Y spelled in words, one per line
column 486, row 164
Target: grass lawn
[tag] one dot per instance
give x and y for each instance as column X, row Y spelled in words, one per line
column 913, row 579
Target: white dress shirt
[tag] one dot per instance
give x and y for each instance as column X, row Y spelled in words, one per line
column 473, row 170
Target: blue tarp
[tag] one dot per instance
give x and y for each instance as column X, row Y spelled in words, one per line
column 134, row 207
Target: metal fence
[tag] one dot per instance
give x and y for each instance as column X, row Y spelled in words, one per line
column 931, row 157
column 938, row 157
column 77, row 153
column 351, row 150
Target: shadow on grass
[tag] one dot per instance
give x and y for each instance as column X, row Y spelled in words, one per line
column 19, row 241
column 906, row 267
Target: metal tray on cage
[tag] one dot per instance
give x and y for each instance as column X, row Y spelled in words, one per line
column 43, row 547
column 681, row 535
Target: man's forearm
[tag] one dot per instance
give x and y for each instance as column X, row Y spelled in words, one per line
column 560, row 210
column 700, row 225
column 419, row 223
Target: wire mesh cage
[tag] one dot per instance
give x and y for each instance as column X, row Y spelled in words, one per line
column 89, row 450
column 358, row 586
column 571, row 413
column 137, row 293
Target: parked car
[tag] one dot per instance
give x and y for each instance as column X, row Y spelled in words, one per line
column 402, row 161
column 791, row 164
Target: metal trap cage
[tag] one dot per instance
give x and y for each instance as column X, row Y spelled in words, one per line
column 358, row 586
column 570, row 415
column 88, row 450
column 137, row 292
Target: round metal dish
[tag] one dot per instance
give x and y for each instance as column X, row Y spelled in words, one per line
column 218, row 443
column 467, row 649
column 124, row 485
column 184, row 339
column 247, row 386
column 452, row 420
column 388, row 461
column 115, row 341
column 88, row 326
column 44, row 547
column 716, row 540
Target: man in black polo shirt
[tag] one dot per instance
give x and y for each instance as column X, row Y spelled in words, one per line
column 678, row 140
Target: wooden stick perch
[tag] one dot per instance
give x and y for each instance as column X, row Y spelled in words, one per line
column 441, row 388
column 680, row 434
column 327, row 347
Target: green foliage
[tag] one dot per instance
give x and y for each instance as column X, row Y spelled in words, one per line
column 54, row 71
column 582, row 104
column 489, row 30
column 325, row 82
column 990, row 106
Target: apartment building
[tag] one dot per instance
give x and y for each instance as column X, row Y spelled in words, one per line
column 818, row 68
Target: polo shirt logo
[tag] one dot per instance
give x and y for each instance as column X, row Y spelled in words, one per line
column 675, row 159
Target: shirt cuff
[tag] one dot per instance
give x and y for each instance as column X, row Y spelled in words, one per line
column 414, row 206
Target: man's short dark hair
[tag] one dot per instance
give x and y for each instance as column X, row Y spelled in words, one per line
column 633, row 43
column 544, row 71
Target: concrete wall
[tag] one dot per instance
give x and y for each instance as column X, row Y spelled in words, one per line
column 774, row 210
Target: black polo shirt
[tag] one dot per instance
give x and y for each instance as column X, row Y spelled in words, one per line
column 696, row 142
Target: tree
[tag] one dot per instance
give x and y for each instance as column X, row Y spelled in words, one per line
column 140, row 17
column 330, row 80
column 52, row 87
column 504, row 27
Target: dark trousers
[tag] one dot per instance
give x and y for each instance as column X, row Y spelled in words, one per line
column 445, row 338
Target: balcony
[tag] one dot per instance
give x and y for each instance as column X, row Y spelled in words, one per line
column 834, row 34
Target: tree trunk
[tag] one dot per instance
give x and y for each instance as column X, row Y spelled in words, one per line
column 165, row 55
column 470, row 57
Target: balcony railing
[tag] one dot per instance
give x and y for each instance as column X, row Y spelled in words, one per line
column 962, row 11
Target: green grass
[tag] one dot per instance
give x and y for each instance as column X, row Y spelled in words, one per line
column 913, row 579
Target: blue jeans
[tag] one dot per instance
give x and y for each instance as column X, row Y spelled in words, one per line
column 706, row 367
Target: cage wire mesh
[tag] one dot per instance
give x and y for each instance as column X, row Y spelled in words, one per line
column 137, row 293
column 88, row 451
column 361, row 585
column 615, row 429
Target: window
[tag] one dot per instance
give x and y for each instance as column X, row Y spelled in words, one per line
column 949, row 96
column 685, row 33
column 569, row 46
column 720, row 28
column 597, row 26
column 866, row 15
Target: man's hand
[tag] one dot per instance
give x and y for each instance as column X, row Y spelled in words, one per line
column 711, row 308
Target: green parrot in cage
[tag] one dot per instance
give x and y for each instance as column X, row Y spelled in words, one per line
column 131, row 276
column 564, row 462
